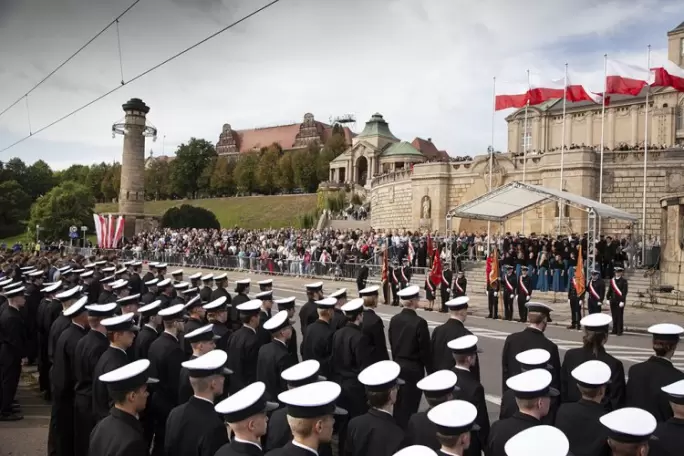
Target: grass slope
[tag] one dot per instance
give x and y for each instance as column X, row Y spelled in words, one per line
column 245, row 211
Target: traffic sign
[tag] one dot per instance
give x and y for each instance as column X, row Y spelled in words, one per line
column 73, row 229
column 73, row 235
column 84, row 228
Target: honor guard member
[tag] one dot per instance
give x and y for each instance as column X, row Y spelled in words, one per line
column 617, row 297
column 523, row 293
column 165, row 289
column 670, row 437
column 161, row 270
column 596, row 328
column 106, row 295
column 68, row 298
column 453, row 328
column 456, row 423
column 510, row 282
column 646, row 379
column 206, row 291
column 129, row 304
column 121, row 331
column 120, row 433
column 177, row 276
column 265, row 285
column 575, row 301
column 394, row 275
column 120, row 274
column 30, row 312
column 289, row 305
column 12, row 352
column 362, row 277
column 308, row 314
column 460, row 285
column 49, row 310
column 243, row 347
column 150, row 274
column 310, row 412
column 274, row 357
column 191, row 292
column 217, row 315
column 151, row 294
column 266, row 298
column 438, row 387
column 150, row 325
column 88, row 284
column 196, row 314
column 338, row 319
column 242, row 292
column 202, row 341
column 194, row 428
column 195, row 280
column 279, row 432
column 135, row 281
column 405, row 272
column 373, row 327
column 538, row 441
column 246, row 414
column 409, row 339
column 63, row 379
column 579, row 420
column 317, row 344
column 596, row 289
column 166, row 356
column 93, row 288
column 470, row 389
column 445, row 286
column 221, row 281
column 629, row 431
column 376, row 432
column 178, row 290
column 533, row 394
column 120, row 289
column 538, row 316
column 88, row 352
column 492, row 289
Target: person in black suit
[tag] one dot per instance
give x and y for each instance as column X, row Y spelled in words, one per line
column 308, row 314
column 242, row 292
column 338, row 319
column 150, row 326
column 456, row 424
column 120, row 433
column 217, row 315
column 12, row 352
column 510, row 285
column 445, row 287
column 289, row 305
column 274, row 357
column 670, row 433
column 206, row 290
column 48, row 311
column 265, row 285
column 194, row 427
column 135, row 282
column 202, row 341
column 523, row 293
column 596, row 289
column 453, row 328
column 151, row 291
column 617, row 297
column 373, row 327
column 629, row 432
column 243, row 347
column 265, row 313
column 195, row 320
column 318, row 340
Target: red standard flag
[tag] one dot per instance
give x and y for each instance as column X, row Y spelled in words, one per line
column 578, row 92
column 626, row 79
column 436, row 271
column 544, row 90
column 511, row 95
column 669, row 75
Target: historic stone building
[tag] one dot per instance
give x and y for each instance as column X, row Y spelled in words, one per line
column 422, row 196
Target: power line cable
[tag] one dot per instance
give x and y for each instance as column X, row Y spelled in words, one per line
column 144, row 73
column 115, row 21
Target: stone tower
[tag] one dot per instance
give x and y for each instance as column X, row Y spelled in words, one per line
column 132, row 193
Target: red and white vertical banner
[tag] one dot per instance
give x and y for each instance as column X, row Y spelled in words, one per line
column 98, row 228
column 109, row 230
column 118, row 233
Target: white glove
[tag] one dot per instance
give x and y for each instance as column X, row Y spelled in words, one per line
column 568, row 301
column 528, row 298
column 622, row 304
column 496, row 293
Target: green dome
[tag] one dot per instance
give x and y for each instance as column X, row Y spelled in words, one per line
column 377, row 126
column 401, row 148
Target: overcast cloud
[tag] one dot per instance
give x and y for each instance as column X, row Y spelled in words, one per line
column 426, row 65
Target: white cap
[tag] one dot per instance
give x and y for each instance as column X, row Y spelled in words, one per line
column 206, row 329
column 172, row 312
column 36, row 273
column 76, row 307
column 381, row 376
column 194, row 301
column 6, row 282
column 314, row 286
column 246, row 281
column 108, row 280
column 152, row 264
column 534, row 357
column 207, row 277
column 312, row 400
column 265, row 282
column 415, row 450
column 353, row 305
column 629, row 424
column 129, row 299
column 87, row 274
column 190, row 290
column 464, row 345
column 181, row 285
column 101, row 309
column 438, row 383
column 150, row 308
column 220, row 276
column 250, row 306
column 119, row 284
column 68, row 294
column 118, row 271
column 153, row 282
column 369, row 291
column 410, row 292
column 265, row 295
column 531, row 384
column 666, row 330
column 164, row 283
column 540, row 440
column 326, row 303
column 161, row 265
column 277, row 322
column 338, row 293
column 105, row 270
column 306, row 370
column 216, row 303
column 195, row 276
column 211, row 363
column 461, row 301
column 596, row 321
column 177, row 272
column 675, row 391
column 249, row 401
column 592, row 373
column 454, row 417
column 123, row 322
column 128, row 377
column 50, row 288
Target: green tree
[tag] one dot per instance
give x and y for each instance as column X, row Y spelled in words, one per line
column 158, row 179
column 97, row 175
column 189, row 165
column 245, row 172
column 204, row 181
column 304, row 163
column 75, row 173
column 39, row 179
column 285, row 176
column 222, row 182
column 14, row 208
column 188, row 216
column 67, row 204
column 111, row 185
column 267, row 170
column 336, row 143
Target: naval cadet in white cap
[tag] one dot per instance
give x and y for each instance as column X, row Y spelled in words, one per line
column 273, row 357
column 317, row 343
column 629, row 431
column 537, row 358
column 243, row 347
column 670, row 433
column 195, row 320
column 194, row 427
column 373, row 326
column 246, row 415
column 596, row 327
column 646, row 379
column 150, row 325
column 120, row 433
column 13, row 330
column 539, row 441
column 438, row 387
column 409, row 340
column 453, row 328
column 206, row 291
column 217, row 315
column 307, row 314
column 580, row 420
column 242, row 291
column 202, row 341
column 455, row 423
column 338, row 319
column 533, row 392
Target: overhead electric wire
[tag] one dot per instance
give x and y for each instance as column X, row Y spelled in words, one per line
column 116, row 20
column 144, row 73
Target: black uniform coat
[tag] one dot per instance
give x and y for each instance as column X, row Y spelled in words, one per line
column 307, row 315
column 205, row 296
column 119, row 434
column 106, row 296
column 136, row 285
column 143, row 341
column 509, row 407
column 503, row 430
column 236, row 448
column 471, row 390
column 645, row 381
column 596, row 291
column 442, row 358
column 290, row 450
column 263, row 334
column 317, row 344
column 579, row 421
column 350, row 356
column 422, row 431
column 223, row 331
column 240, row 298
column 48, row 311
column 374, row 432
column 194, row 429
column 273, row 359
column 670, row 436
column 185, row 390
column 243, row 353
column 279, row 433
column 527, row 339
column 338, row 320
column 58, row 327
column 374, row 329
column 615, row 390
column 460, row 287
column 112, row 358
column 189, row 326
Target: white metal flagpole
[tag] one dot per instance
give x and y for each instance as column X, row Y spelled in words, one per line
column 603, row 128
column 565, row 96
column 491, row 161
column 643, row 204
column 526, row 142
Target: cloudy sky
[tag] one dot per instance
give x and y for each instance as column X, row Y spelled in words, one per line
column 426, row 65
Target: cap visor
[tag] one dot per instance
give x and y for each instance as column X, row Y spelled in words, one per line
column 134, row 328
column 475, row 427
column 152, row 380
column 400, row 382
column 227, row 371
column 216, row 337
column 271, row 406
column 339, row 411
column 321, row 378
column 553, row 392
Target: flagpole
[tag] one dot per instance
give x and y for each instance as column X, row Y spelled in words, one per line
column 603, row 125
column 565, row 95
column 643, row 204
column 525, row 146
column 491, row 161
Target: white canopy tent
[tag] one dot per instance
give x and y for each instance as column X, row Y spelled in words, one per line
column 514, row 198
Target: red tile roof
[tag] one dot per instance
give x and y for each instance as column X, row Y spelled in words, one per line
column 429, row 149
column 257, row 138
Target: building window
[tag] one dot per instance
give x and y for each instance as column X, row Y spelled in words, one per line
column 526, row 137
column 679, row 121
column 681, row 45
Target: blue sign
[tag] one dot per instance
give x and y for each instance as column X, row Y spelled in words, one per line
column 73, row 235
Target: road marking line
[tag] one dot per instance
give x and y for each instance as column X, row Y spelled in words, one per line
column 493, row 399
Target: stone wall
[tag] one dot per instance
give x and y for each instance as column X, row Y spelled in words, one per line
column 391, row 205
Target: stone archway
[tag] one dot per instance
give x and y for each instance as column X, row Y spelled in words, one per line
column 361, row 170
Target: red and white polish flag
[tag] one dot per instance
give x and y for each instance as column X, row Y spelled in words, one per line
column 511, row 95
column 542, row 90
column 626, row 79
column 668, row 75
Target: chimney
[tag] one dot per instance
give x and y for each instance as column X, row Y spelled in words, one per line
column 430, row 140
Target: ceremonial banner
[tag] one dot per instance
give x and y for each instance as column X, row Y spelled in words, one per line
column 385, row 275
column 436, row 271
column 579, row 274
column 109, row 230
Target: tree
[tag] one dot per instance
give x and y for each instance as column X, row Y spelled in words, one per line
column 189, row 165
column 267, row 170
column 39, row 179
column 14, row 208
column 75, row 173
column 204, row 181
column 245, row 172
column 222, row 182
column 16, row 170
column 158, row 180
column 285, row 175
column 188, row 216
column 67, row 204
column 111, row 185
column 97, row 175
column 336, row 143
column 304, row 163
